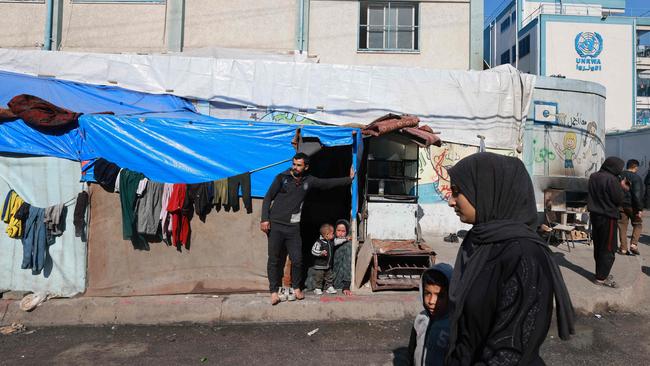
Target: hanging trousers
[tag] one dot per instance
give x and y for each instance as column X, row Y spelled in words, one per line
column 284, row 239
column 243, row 180
column 604, row 230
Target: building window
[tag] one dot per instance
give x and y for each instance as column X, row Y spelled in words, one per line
column 514, row 53
column 388, row 26
column 505, row 58
column 505, row 25
column 118, row 1
column 524, row 46
column 513, row 18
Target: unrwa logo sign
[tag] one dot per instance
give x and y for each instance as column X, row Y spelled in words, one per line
column 588, row 46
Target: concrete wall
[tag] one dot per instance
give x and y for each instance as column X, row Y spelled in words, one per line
column 260, row 24
column 443, row 41
column 23, row 25
column 631, row 144
column 114, row 27
column 616, row 58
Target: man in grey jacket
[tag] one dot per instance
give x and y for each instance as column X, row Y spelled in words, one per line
column 631, row 209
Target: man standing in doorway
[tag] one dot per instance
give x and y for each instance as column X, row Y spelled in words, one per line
column 606, row 191
column 281, row 212
column 631, row 209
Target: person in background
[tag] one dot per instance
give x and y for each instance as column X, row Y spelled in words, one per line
column 647, row 188
column 631, row 209
column 430, row 333
column 342, row 257
column 606, row 192
column 504, row 281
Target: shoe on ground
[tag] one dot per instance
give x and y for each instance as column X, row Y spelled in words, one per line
column 291, row 295
column 634, row 250
column 283, row 293
column 318, row 291
column 451, row 238
column 609, row 282
column 331, row 290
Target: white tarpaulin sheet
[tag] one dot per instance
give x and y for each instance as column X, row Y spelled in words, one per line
column 460, row 104
column 43, row 182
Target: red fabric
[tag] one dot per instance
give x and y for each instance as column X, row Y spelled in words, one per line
column 389, row 123
column 41, row 113
column 180, row 222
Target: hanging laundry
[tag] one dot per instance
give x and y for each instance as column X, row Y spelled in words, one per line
column 129, row 181
column 55, row 219
column 165, row 217
column 220, row 189
column 105, row 173
column 37, row 112
column 11, row 206
column 117, row 182
column 149, row 207
column 142, row 185
column 202, row 196
column 180, row 233
column 79, row 218
column 243, row 180
column 35, row 241
column 23, row 213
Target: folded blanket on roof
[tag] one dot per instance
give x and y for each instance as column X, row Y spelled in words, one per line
column 7, row 115
column 388, row 123
column 37, row 112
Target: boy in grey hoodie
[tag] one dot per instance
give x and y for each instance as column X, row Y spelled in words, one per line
column 430, row 334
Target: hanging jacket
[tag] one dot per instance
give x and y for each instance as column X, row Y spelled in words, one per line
column 12, row 205
column 180, row 234
column 430, row 338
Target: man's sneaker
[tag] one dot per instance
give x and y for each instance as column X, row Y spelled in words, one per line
column 282, row 292
column 290, row 295
column 331, row 290
column 318, row 291
column 451, row 238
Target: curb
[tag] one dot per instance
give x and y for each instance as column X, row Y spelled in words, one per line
column 212, row 309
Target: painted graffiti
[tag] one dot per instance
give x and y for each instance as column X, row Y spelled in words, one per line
column 288, row 117
column 435, row 185
column 542, row 154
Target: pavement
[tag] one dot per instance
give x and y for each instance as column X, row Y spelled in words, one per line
column 631, row 273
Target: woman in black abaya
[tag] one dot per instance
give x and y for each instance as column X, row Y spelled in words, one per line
column 505, row 279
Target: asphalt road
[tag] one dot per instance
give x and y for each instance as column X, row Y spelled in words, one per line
column 614, row 339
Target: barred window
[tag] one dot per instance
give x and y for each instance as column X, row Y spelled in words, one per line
column 388, row 25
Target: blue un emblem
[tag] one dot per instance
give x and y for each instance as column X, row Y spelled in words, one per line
column 588, row 46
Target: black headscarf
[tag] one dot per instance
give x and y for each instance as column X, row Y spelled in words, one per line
column 501, row 191
column 613, row 165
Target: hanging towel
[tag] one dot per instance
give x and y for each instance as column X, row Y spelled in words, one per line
column 55, row 220
column 149, row 207
column 129, row 181
column 79, row 219
column 35, row 241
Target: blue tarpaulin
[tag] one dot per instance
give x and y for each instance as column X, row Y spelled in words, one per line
column 158, row 135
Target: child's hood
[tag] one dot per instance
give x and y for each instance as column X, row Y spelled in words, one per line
column 444, row 268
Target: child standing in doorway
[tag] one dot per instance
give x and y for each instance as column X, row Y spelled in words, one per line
column 323, row 250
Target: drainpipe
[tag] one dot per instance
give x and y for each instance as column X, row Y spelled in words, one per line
column 47, row 42
column 302, row 38
column 175, row 25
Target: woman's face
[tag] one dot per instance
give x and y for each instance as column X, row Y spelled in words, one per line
column 465, row 211
column 341, row 231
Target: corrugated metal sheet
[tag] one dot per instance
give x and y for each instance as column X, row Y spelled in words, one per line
column 43, row 181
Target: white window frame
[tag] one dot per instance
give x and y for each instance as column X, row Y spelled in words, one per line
column 390, row 30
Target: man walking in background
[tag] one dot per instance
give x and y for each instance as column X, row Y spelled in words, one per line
column 606, row 191
column 631, row 209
